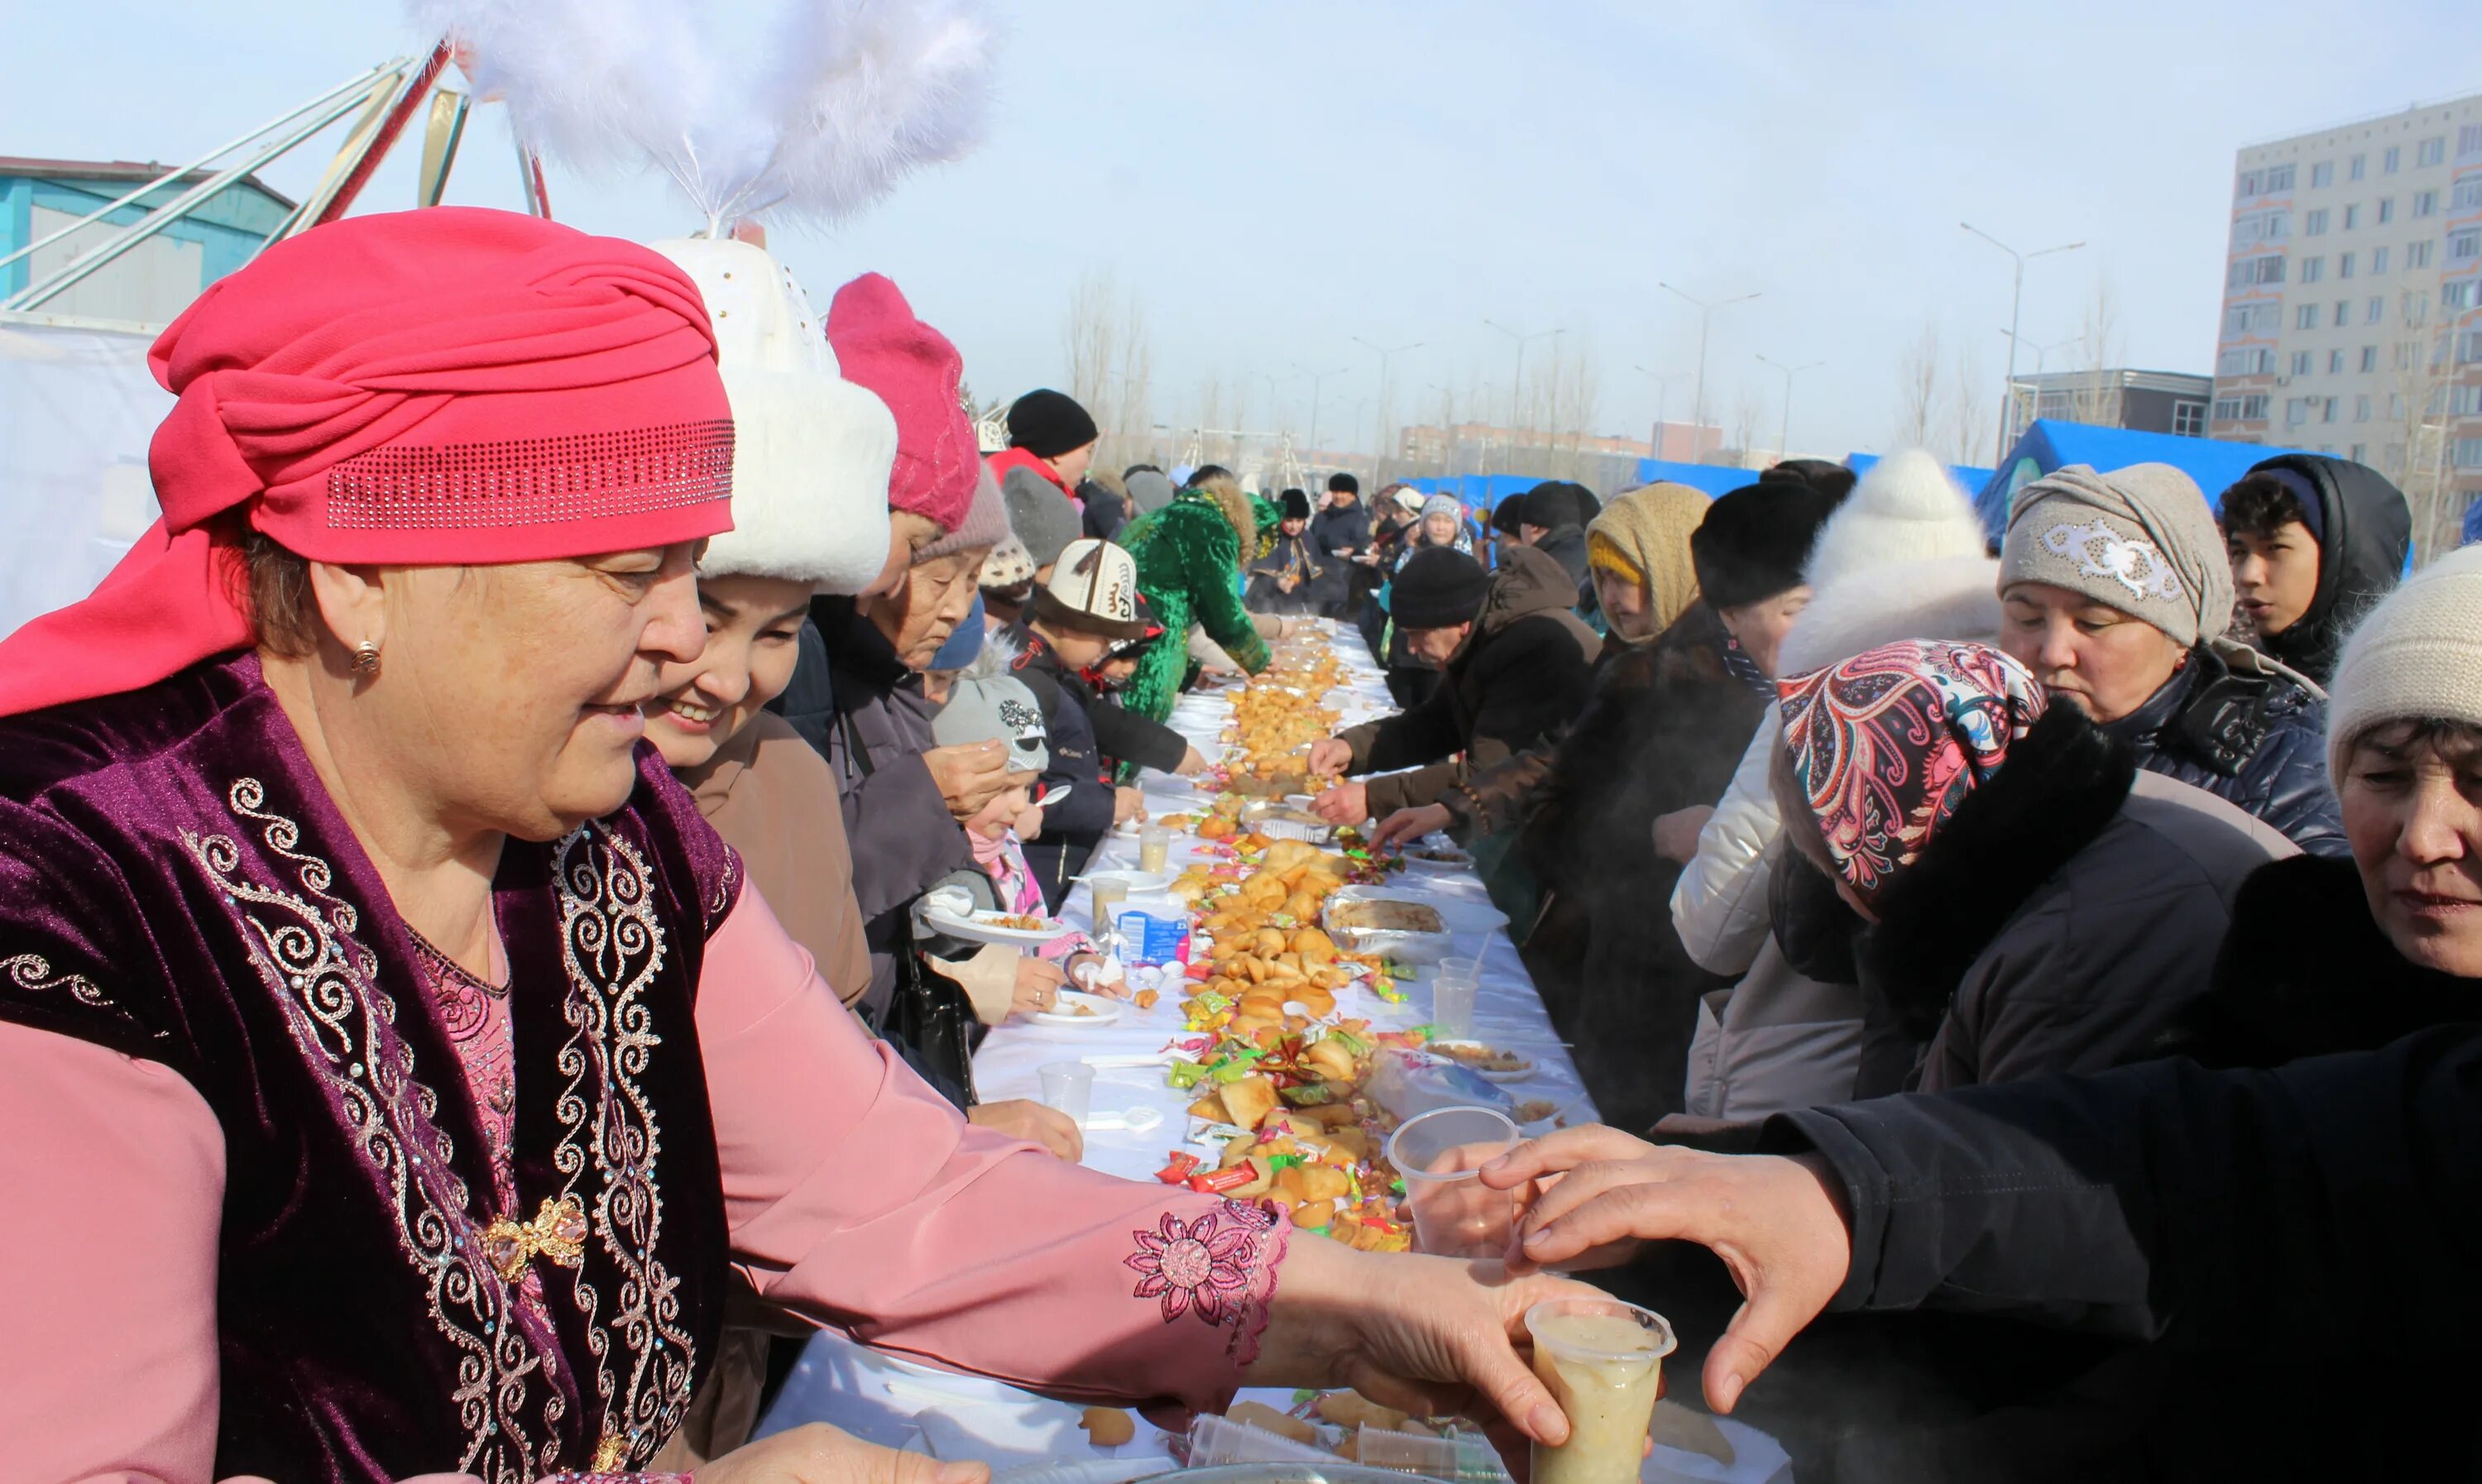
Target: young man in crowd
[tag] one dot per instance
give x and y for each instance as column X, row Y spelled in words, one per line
column 2314, row 543
column 1050, row 437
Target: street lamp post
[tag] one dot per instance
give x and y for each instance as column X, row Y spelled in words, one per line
column 1705, row 312
column 1318, row 380
column 1517, row 378
column 2016, row 299
column 1663, row 398
column 1379, row 472
column 1783, row 435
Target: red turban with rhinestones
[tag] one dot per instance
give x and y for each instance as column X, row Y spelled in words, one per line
column 444, row 387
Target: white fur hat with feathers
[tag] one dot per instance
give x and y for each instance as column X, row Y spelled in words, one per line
column 1905, row 507
column 810, row 451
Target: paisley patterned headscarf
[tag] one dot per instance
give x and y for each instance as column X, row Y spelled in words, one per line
column 1886, row 744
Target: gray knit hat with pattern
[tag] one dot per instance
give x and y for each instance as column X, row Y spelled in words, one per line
column 2140, row 539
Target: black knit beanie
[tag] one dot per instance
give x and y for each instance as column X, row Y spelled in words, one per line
column 1344, row 484
column 1831, row 479
column 1297, row 505
column 1047, row 424
column 1755, row 541
column 1509, row 516
column 1439, row 587
column 1556, row 504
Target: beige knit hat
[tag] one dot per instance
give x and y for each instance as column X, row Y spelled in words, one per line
column 2140, row 539
column 1643, row 535
column 2419, row 655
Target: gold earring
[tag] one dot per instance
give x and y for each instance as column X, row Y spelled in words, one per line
column 366, row 658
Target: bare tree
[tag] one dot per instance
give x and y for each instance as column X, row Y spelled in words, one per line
column 2096, row 396
column 1749, row 412
column 1970, row 407
column 1917, row 386
column 2420, row 423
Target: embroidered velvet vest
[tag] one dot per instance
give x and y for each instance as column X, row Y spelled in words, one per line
column 174, row 883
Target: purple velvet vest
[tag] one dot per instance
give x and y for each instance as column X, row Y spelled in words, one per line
column 174, row 883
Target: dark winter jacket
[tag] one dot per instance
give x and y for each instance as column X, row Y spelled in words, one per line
column 1501, row 796
column 1665, row 729
column 2060, row 918
column 1123, row 734
column 2304, row 971
column 2259, row 1225
column 872, row 731
column 1520, row 678
column 1072, row 829
column 1105, row 512
column 2235, row 727
column 1332, row 533
column 1568, row 546
column 2367, row 535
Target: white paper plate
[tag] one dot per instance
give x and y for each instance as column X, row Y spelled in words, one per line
column 1531, row 1065
column 976, row 929
column 1106, row 1009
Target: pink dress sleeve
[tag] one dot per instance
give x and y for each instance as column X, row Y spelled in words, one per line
column 859, row 1198
column 114, row 1173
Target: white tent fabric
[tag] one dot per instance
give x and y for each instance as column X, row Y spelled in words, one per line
column 77, row 408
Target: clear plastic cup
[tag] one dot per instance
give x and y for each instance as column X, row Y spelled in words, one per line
column 1068, row 1088
column 1155, row 847
column 1107, row 894
column 1454, row 985
column 1602, row 1361
column 1438, row 1156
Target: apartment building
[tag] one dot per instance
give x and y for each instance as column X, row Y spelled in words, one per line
column 2352, row 309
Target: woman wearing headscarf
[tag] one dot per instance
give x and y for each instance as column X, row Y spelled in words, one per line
column 1190, row 556
column 2163, row 1203
column 1901, row 558
column 2116, row 592
column 1668, row 723
column 2036, row 903
column 1639, row 552
column 395, row 1070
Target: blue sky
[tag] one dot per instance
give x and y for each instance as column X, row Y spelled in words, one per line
column 1274, row 178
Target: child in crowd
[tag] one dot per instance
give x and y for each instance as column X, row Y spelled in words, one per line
column 986, row 703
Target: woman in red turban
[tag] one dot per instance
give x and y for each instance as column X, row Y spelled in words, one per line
column 395, row 1070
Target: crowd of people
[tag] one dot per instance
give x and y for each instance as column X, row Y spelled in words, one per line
column 468, row 882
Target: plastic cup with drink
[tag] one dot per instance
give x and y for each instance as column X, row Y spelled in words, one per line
column 1454, row 984
column 1155, row 847
column 1602, row 1361
column 1439, row 1155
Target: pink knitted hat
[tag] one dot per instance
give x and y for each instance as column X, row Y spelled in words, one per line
column 913, row 368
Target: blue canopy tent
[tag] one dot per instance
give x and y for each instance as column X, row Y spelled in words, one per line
column 1715, row 479
column 2050, row 444
column 1968, row 478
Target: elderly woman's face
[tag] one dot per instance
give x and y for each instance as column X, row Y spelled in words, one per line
column 753, row 635
column 2413, row 811
column 510, row 698
column 2096, row 655
column 1627, row 607
column 926, row 608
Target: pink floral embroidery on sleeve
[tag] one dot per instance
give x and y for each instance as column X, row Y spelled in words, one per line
column 1221, row 1266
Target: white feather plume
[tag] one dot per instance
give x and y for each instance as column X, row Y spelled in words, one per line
column 814, row 117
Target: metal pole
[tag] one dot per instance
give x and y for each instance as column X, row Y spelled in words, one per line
column 383, row 139
column 35, row 295
column 2016, row 298
column 1698, row 409
column 363, row 82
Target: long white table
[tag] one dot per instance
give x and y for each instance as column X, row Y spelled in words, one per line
column 901, row 1403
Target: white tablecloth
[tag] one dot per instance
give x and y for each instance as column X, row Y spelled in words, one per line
column 880, row 1397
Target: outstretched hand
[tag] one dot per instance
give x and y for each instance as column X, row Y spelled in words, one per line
column 815, row 1453
column 1779, row 1224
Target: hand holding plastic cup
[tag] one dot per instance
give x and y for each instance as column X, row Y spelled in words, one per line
column 1602, row 1362
column 1067, row 1088
column 1439, row 1155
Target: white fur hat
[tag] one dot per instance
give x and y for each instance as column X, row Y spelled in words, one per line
column 810, row 451
column 2418, row 655
column 1946, row 597
column 1905, row 507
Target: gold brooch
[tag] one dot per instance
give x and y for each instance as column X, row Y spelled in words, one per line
column 557, row 1232
column 610, row 1454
